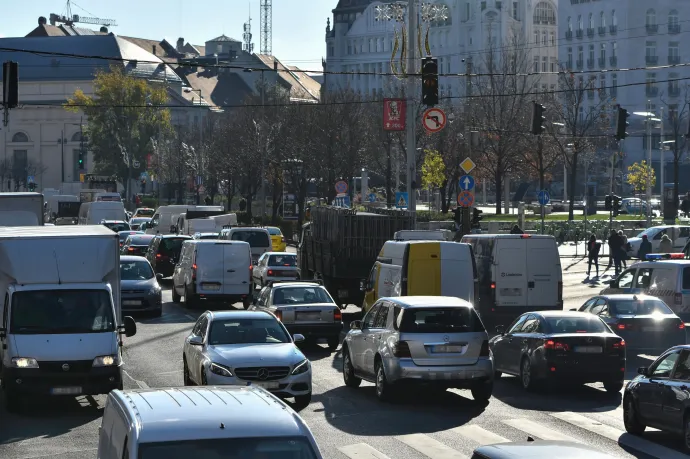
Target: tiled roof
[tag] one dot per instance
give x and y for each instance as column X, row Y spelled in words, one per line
column 228, row 89
column 148, row 45
column 46, row 30
column 353, row 4
column 302, row 85
column 224, row 38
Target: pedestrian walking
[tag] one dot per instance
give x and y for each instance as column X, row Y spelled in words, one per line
column 516, row 230
column 666, row 245
column 613, row 247
column 645, row 248
column 623, row 248
column 593, row 248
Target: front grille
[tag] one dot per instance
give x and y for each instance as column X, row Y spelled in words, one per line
column 262, row 373
column 74, row 366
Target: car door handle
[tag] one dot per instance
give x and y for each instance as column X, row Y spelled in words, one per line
column 231, row 270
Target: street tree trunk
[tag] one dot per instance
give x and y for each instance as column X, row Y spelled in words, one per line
column 573, row 184
column 389, row 174
column 498, row 178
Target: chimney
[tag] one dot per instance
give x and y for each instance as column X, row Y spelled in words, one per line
column 42, row 21
column 104, row 29
column 154, row 50
column 180, row 44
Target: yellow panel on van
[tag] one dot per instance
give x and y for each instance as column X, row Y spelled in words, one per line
column 424, row 269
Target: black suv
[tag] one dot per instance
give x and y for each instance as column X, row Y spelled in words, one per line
column 164, row 252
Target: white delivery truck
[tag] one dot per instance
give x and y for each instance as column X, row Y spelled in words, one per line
column 164, row 221
column 61, row 323
column 53, row 205
column 21, row 209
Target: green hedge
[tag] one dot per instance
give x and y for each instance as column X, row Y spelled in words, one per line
column 424, row 216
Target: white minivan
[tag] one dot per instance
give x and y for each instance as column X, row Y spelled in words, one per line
column 518, row 273
column 166, row 217
column 93, row 213
column 213, row 270
column 258, row 238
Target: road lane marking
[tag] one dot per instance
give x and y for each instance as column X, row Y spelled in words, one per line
column 362, row 451
column 619, row 436
column 430, row 447
column 538, row 430
column 479, row 435
column 60, row 453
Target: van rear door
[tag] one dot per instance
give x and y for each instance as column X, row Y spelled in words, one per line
column 543, row 272
column 510, row 274
column 236, row 273
column 457, row 271
column 209, row 268
column 423, row 269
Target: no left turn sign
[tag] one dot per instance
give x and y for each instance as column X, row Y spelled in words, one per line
column 434, row 119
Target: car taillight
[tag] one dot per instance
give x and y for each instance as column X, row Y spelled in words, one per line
column 131, row 249
column 678, row 298
column 556, row 346
column 270, row 272
column 158, row 255
column 337, row 315
column 194, row 271
column 681, row 326
column 621, row 326
column 619, row 344
column 485, row 349
column 493, row 286
column 401, row 349
column 279, row 315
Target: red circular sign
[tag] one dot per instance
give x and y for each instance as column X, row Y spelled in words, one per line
column 465, row 199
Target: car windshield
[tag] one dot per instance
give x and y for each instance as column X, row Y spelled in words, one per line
column 301, row 295
column 171, row 246
column 639, row 307
column 231, row 448
column 254, row 238
column 274, row 231
column 140, row 240
column 208, row 236
column 439, row 320
column 135, row 270
column 563, row 324
column 61, row 311
column 649, row 232
column 247, row 331
column 282, row 260
column 117, row 227
column 145, row 212
column 124, row 235
column 139, row 220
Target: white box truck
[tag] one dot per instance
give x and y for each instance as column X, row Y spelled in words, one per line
column 61, row 324
column 21, row 209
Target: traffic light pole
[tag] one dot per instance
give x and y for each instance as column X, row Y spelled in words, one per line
column 411, row 104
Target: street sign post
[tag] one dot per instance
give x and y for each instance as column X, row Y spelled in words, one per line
column 372, row 197
column 434, row 120
column 467, row 165
column 466, row 183
column 342, row 200
column 466, row 199
column 341, row 187
column 31, row 179
column 544, row 199
column 394, row 114
column 401, row 199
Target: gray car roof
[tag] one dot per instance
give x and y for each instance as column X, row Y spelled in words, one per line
column 541, row 450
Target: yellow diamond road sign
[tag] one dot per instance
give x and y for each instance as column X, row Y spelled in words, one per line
column 467, row 165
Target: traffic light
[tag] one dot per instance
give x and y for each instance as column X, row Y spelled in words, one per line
column 617, row 204
column 32, row 187
column 538, row 118
column 476, row 217
column 10, row 84
column 430, row 81
column 608, row 203
column 621, row 122
column 80, row 160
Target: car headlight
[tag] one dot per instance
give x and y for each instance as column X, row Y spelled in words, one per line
column 301, row 367
column 155, row 291
column 106, row 361
column 24, row 362
column 221, row 370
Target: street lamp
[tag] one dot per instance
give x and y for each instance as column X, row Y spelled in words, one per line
column 649, row 118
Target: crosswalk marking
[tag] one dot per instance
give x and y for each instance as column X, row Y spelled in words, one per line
column 538, row 430
column 619, row 436
column 430, row 447
column 479, row 434
column 362, row 451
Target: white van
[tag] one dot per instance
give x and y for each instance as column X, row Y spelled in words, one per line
column 93, row 213
column 258, row 238
column 202, row 422
column 518, row 273
column 162, row 220
column 214, row 271
column 421, row 268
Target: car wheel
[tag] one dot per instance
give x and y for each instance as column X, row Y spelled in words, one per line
column 185, row 373
column 613, row 387
column 482, row 392
column 302, row 401
column 349, row 371
column 246, row 302
column 175, row 297
column 333, row 342
column 632, row 422
column 526, row 376
column 383, row 389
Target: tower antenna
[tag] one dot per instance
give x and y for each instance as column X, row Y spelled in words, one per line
column 266, row 19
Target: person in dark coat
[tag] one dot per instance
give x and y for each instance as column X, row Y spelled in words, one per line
column 613, row 247
column 645, row 248
column 516, row 230
column 593, row 248
column 615, row 243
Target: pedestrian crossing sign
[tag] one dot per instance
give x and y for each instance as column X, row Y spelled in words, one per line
column 401, row 200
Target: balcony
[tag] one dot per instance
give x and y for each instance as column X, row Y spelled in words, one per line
column 652, row 28
column 651, row 60
column 613, row 29
column 602, row 62
column 673, row 60
column 602, row 30
column 590, row 32
column 568, row 34
column 673, row 29
column 613, row 60
column 652, row 91
column 579, row 64
column 590, row 63
column 579, row 33
column 673, row 90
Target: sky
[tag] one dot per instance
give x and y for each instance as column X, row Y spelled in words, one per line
column 299, row 26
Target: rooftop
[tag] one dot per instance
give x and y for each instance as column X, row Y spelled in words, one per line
column 430, row 301
column 239, row 314
column 303, row 87
column 223, row 38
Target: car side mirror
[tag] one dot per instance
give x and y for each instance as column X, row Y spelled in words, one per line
column 644, row 371
column 298, row 338
column 130, row 326
column 159, row 276
column 362, row 286
column 501, row 329
column 356, row 325
column 195, row 341
column 614, row 284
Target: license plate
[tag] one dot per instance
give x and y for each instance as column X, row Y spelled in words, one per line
column 342, row 294
column 310, row 316
column 210, row 286
column 589, row 349
column 652, row 329
column 66, row 391
column 268, row 385
column 131, row 303
column 447, row 348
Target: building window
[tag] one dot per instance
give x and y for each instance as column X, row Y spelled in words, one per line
column 536, row 37
column 672, row 112
column 614, row 49
column 553, row 39
column 591, row 21
column 673, row 52
column 536, row 64
column 515, row 11
column 591, row 52
column 650, row 19
column 580, row 25
column 553, row 67
column 614, row 18
column 570, row 25
column 544, row 64
column 20, row 137
column 602, row 52
column 580, row 54
column 673, row 87
column 614, row 84
column 602, row 19
column 544, row 14
column 673, row 25
column 543, row 38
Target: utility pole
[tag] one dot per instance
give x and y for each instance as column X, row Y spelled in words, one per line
column 263, row 152
column 411, row 103
column 661, row 161
column 649, row 166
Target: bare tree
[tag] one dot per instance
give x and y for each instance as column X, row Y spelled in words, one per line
column 676, row 125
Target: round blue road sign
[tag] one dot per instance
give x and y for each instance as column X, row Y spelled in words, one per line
column 544, row 197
